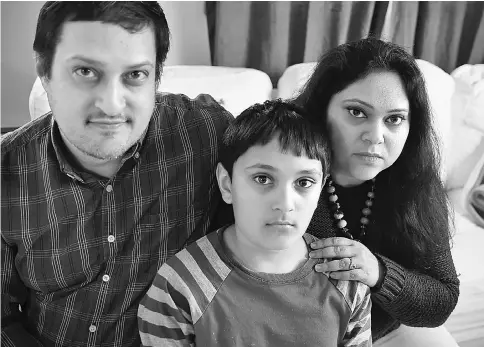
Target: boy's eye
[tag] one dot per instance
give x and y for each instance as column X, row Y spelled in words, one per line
column 356, row 112
column 305, row 183
column 262, row 179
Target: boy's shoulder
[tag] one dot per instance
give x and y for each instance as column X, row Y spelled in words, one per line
column 201, row 257
column 353, row 292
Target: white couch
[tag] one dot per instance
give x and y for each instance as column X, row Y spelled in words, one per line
column 457, row 101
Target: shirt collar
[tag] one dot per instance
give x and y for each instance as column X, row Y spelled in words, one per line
column 63, row 154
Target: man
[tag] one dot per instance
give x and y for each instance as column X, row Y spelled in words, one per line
column 97, row 194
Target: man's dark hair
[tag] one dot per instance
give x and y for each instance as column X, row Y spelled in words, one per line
column 260, row 123
column 133, row 16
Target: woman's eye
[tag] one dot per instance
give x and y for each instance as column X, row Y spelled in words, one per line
column 305, row 183
column 261, row 179
column 356, row 113
column 84, row 72
column 395, row 120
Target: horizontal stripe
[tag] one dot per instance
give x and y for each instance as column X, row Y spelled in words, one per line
column 153, row 341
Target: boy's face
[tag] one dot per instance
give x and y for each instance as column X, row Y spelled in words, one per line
column 274, row 195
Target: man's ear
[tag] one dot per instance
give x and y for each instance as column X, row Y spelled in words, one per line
column 224, row 183
column 43, row 77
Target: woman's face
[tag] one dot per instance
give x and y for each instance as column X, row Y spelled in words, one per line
column 369, row 123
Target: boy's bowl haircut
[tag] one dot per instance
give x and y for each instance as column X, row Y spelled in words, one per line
column 260, row 123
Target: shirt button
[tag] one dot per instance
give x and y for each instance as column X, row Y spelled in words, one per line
column 109, row 188
column 106, row 278
column 92, row 328
column 111, row 238
column 136, row 155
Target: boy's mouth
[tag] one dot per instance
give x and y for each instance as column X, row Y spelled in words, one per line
column 281, row 223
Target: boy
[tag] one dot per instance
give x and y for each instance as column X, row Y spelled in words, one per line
column 252, row 283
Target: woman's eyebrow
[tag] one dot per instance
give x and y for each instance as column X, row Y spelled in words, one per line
column 371, row 106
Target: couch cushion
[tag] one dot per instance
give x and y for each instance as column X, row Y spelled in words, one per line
column 235, row 88
column 467, row 123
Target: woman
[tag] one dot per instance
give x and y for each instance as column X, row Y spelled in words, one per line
column 383, row 215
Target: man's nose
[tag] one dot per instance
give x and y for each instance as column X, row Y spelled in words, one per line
column 111, row 99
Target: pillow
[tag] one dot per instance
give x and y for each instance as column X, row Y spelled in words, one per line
column 234, row 88
column 293, row 79
column 38, row 103
column 468, row 123
column 440, row 87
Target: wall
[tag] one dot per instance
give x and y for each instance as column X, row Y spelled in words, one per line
column 189, row 36
column 18, row 22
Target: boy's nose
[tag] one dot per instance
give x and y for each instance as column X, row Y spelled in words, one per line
column 284, row 201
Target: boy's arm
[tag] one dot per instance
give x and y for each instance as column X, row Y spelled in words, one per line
column 358, row 332
column 164, row 315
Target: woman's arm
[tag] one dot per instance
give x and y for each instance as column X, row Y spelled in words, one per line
column 415, row 298
column 419, row 299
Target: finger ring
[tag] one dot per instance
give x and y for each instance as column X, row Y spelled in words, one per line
column 351, row 266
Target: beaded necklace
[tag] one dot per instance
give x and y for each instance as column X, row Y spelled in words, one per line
column 338, row 214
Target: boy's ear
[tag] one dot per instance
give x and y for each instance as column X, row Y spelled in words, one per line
column 224, row 183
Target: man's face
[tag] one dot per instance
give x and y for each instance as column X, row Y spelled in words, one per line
column 102, row 87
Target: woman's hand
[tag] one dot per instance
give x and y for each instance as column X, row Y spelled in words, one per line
column 347, row 260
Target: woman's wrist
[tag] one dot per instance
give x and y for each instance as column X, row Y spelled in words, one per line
column 382, row 271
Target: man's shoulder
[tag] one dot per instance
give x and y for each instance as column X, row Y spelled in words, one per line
column 31, row 133
column 202, row 103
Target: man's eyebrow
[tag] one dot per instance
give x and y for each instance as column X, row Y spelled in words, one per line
column 371, row 107
column 97, row 62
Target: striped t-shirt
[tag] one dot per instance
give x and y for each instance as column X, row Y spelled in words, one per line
column 202, row 296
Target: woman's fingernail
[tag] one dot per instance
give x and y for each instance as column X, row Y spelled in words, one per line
column 320, row 268
column 313, row 245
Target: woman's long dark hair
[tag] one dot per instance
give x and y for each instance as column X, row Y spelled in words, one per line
column 416, row 216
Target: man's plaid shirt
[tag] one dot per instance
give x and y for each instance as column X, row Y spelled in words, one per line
column 78, row 251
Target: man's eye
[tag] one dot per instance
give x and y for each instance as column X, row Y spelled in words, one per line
column 84, row 72
column 137, row 75
column 356, row 113
column 261, row 179
column 305, row 183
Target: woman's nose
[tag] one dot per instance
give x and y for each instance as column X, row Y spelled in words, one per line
column 374, row 133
